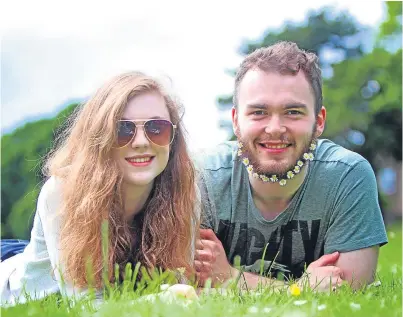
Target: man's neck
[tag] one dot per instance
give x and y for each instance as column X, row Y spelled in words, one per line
column 271, row 199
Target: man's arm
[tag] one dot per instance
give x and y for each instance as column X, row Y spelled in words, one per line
column 356, row 274
column 356, row 228
column 211, row 262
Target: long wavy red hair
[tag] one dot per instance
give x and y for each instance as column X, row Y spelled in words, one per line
column 91, row 183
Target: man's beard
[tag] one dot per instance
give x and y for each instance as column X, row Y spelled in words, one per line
column 279, row 171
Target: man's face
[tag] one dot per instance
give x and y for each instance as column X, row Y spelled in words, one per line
column 275, row 120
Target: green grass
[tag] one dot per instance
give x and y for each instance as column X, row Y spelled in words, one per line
column 384, row 300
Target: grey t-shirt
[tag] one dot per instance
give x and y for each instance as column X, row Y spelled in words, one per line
column 335, row 209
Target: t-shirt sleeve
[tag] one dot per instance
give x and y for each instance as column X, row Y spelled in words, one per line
column 356, row 221
column 208, row 217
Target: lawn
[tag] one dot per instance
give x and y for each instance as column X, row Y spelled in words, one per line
column 385, row 299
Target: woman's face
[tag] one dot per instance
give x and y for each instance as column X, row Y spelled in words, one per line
column 140, row 160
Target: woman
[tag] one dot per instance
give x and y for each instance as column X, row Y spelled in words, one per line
column 123, row 159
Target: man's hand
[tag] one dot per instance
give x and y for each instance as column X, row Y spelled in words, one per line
column 322, row 274
column 210, row 259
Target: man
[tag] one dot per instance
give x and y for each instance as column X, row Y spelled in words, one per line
column 282, row 195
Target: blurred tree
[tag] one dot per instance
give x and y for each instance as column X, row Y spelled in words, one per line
column 22, row 155
column 332, row 36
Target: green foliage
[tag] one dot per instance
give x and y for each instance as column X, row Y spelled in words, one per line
column 22, row 155
column 393, row 23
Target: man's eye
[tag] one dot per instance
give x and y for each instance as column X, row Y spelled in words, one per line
column 258, row 112
column 294, row 112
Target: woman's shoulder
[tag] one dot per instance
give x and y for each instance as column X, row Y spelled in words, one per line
column 50, row 196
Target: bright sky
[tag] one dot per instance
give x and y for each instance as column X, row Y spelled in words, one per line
column 52, row 52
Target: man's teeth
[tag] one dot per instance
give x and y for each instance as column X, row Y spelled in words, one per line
column 280, row 146
column 139, row 160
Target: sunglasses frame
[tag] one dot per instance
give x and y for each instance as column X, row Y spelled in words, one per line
column 145, row 132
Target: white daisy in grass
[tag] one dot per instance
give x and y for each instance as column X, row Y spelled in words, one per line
column 391, row 234
column 300, row 302
column 355, row 306
column 321, row 307
column 245, row 161
column 250, row 168
column 267, row 310
column 290, row 174
column 283, row 182
column 297, row 169
column 253, row 310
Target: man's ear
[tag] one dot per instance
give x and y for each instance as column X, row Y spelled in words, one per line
column 320, row 122
column 234, row 116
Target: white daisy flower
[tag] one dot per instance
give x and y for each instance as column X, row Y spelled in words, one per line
column 264, row 178
column 300, row 302
column 306, row 156
column 290, row 174
column 321, row 307
column 283, row 182
column 253, row 310
column 250, row 168
column 245, row 161
column 240, row 144
column 297, row 169
column 310, row 156
column 274, row 178
column 312, row 147
column 300, row 163
column 239, row 152
column 355, row 306
column 255, row 175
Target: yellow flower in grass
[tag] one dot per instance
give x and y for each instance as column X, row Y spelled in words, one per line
column 295, row 290
column 245, row 161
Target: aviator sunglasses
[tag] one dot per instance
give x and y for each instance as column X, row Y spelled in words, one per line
column 158, row 131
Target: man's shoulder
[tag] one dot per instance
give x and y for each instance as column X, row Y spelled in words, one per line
column 218, row 157
column 329, row 153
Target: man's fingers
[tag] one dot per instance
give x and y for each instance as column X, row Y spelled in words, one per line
column 326, row 259
column 207, row 234
column 202, row 244
column 202, row 266
column 204, row 255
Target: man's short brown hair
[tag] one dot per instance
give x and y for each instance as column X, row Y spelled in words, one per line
column 285, row 58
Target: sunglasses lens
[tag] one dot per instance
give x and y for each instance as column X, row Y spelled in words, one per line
column 126, row 131
column 160, row 132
